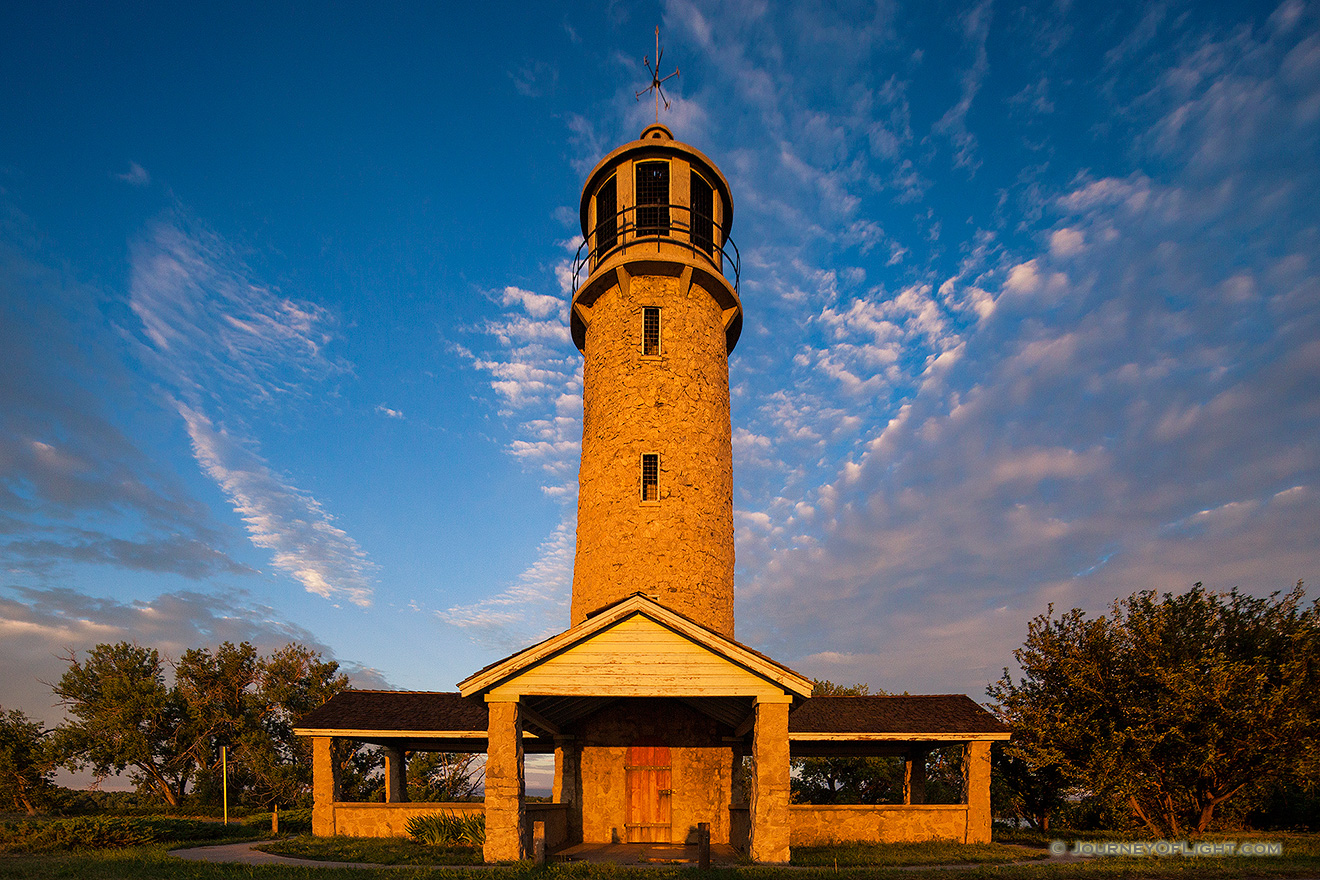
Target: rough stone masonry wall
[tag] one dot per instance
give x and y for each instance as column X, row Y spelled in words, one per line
column 701, row 768
column 817, row 825
column 389, row 820
column 676, row 404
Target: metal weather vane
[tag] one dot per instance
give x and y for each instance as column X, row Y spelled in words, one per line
column 656, row 81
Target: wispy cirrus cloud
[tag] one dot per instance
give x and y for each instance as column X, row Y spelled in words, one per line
column 304, row 541
column 226, row 344
column 74, row 487
column 533, row 608
column 136, row 175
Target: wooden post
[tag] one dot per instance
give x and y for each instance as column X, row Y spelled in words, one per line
column 274, row 820
column 703, row 845
column 224, row 776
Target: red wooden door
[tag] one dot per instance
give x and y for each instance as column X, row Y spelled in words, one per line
column 647, row 776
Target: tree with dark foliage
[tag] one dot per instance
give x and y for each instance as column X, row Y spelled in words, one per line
column 125, row 716
column 26, row 762
column 1171, row 704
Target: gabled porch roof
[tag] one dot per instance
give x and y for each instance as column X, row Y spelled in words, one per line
column 638, row 648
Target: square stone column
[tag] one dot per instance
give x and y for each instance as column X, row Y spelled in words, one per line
column 976, row 783
column 770, row 782
column 568, row 783
column 396, row 776
column 739, row 822
column 914, row 776
column 504, row 784
column 325, row 786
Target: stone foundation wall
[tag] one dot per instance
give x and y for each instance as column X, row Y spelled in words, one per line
column 821, row 824
column 388, row 820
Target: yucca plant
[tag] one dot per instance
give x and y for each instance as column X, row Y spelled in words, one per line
column 448, row 829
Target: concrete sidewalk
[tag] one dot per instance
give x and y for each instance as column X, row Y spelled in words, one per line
column 248, row 854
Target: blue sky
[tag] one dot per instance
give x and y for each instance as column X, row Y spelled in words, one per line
column 1032, row 296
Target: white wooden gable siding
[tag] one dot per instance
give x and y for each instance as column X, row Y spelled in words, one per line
column 638, row 658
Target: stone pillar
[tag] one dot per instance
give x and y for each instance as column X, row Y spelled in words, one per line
column 568, row 783
column 325, row 786
column 504, row 784
column 976, row 784
column 396, row 776
column 914, row 777
column 737, row 780
column 770, row 782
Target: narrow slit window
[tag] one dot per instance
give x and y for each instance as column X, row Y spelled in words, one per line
column 650, row 331
column 650, row 477
column 703, row 215
column 652, row 198
column 607, row 216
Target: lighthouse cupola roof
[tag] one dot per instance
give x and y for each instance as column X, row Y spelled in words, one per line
column 656, row 200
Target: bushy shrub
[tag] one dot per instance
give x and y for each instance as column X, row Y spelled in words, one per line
column 448, row 829
column 106, row 832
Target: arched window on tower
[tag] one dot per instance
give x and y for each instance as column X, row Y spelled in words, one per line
column 652, row 198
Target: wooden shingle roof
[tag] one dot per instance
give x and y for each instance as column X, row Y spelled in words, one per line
column 834, row 718
column 405, row 711
column 919, row 714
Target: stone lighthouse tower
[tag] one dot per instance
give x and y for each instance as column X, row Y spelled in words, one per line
column 655, row 318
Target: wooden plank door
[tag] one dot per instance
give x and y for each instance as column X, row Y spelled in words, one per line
column 647, row 775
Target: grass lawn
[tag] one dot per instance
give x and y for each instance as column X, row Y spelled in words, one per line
column 376, row 850
column 849, row 855
column 1301, row 858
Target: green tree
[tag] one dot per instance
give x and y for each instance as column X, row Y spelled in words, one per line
column 124, row 716
column 443, row 777
column 26, row 761
column 219, row 692
column 846, row 780
column 292, row 682
column 248, row 704
column 1171, row 704
column 1024, row 792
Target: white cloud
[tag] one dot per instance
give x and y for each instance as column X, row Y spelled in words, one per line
column 136, row 175
column 226, row 343
column 281, row 517
column 74, row 485
column 1066, row 242
column 531, row 609
column 1137, row 411
column 39, row 626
